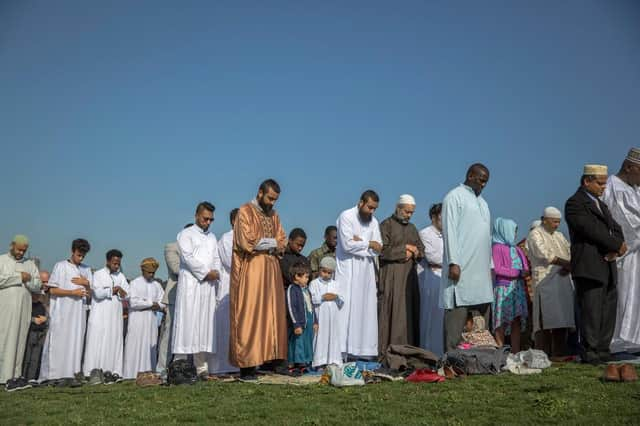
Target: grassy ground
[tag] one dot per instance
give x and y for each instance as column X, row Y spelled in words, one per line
column 567, row 393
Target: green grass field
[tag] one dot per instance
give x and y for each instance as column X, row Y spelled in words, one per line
column 567, row 393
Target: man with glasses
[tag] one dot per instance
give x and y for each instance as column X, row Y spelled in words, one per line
column 194, row 330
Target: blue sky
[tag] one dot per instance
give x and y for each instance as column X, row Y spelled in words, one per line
column 116, row 118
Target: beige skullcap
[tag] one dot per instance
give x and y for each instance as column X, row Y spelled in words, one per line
column 595, row 170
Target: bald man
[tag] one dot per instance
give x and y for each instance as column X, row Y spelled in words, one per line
column 19, row 277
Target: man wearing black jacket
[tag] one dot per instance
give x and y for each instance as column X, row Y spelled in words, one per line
column 596, row 242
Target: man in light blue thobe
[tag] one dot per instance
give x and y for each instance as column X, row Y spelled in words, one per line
column 466, row 279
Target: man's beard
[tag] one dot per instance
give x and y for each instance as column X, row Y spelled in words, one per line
column 365, row 217
column 265, row 207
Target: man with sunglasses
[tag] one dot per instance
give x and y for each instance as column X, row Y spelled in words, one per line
column 194, row 331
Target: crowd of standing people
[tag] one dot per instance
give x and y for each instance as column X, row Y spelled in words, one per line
column 251, row 300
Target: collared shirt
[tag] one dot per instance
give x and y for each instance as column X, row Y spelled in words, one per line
column 595, row 199
column 318, row 254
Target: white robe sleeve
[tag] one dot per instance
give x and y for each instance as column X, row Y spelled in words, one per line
column 346, row 241
column 35, row 285
column 432, row 252
column 225, row 251
column 316, row 293
column 629, row 206
column 89, row 275
column 195, row 266
column 55, row 279
column 125, row 286
column 101, row 287
column 137, row 302
column 216, row 263
column 159, row 295
column 10, row 279
column 450, row 208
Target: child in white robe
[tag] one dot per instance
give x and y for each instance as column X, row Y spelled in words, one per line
column 327, row 302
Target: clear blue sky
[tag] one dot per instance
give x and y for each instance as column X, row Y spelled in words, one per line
column 117, row 117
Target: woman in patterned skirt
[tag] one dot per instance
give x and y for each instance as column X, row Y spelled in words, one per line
column 510, row 268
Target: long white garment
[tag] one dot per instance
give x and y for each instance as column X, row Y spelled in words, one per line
column 15, row 312
column 466, row 225
column 64, row 344
column 431, row 314
column 194, row 328
column 624, row 203
column 140, row 348
column 327, row 347
column 553, row 294
column 356, row 278
column 172, row 259
column 219, row 362
column 104, row 344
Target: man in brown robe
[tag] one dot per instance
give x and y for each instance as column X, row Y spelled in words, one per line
column 398, row 290
column 256, row 295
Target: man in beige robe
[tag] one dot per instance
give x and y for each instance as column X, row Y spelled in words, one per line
column 19, row 277
column 258, row 315
column 553, row 296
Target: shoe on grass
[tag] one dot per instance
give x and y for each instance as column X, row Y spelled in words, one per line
column 96, row 377
column 628, row 373
column 80, row 377
column 16, row 384
column 612, row 373
column 111, row 378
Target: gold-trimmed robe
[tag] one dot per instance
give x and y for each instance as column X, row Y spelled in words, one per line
column 256, row 295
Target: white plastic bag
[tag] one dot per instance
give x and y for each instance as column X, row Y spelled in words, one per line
column 345, row 375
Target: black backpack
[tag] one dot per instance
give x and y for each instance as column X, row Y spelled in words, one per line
column 182, row 372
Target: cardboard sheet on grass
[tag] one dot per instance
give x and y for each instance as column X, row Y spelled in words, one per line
column 276, row 379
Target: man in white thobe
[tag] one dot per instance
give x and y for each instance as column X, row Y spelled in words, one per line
column 19, row 277
column 553, row 296
column 622, row 196
column 219, row 362
column 104, row 344
column 466, row 283
column 359, row 243
column 69, row 286
column 430, row 273
column 172, row 259
column 194, row 328
column 145, row 299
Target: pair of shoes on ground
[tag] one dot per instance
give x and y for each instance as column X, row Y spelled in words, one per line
column 98, row 377
column 16, row 384
column 620, row 373
column 286, row 371
column 248, row 375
